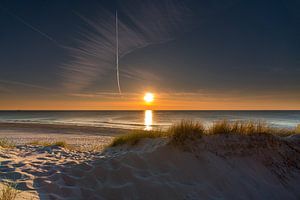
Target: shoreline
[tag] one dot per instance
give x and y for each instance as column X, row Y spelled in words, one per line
column 82, row 138
column 36, row 128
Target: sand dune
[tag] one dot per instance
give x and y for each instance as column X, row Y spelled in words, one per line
column 215, row 167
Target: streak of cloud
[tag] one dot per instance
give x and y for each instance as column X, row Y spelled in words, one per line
column 196, row 96
column 17, row 83
column 140, row 24
column 24, row 22
column 4, row 90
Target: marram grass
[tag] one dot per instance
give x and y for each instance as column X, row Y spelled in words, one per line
column 5, row 143
column 9, row 192
column 135, row 136
column 245, row 128
column 298, row 129
column 188, row 130
column 65, row 145
column 49, row 144
column 185, row 130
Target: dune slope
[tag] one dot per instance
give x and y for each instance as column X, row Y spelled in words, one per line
column 214, row 167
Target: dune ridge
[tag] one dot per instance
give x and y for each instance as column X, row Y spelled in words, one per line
column 212, row 167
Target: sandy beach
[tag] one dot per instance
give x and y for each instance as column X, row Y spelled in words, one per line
column 149, row 100
column 215, row 167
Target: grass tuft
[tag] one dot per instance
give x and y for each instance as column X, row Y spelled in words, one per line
column 189, row 130
column 35, row 143
column 240, row 127
column 60, row 144
column 185, row 130
column 134, row 137
column 5, row 143
column 178, row 133
column 297, row 129
column 9, row 192
column 49, row 144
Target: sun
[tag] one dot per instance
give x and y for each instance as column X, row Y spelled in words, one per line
column 149, row 97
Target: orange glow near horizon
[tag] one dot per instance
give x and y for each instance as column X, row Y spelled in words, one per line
column 136, row 105
column 162, row 102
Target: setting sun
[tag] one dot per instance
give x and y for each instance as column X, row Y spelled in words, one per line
column 149, row 97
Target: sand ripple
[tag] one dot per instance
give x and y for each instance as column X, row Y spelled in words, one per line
column 213, row 168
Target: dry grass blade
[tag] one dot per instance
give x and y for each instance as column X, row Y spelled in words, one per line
column 178, row 133
column 49, row 144
column 134, row 137
column 297, row 129
column 185, row 130
column 9, row 192
column 245, row 128
column 5, row 143
column 189, row 130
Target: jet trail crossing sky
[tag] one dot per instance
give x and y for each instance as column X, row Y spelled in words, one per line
column 117, row 52
column 108, row 38
column 45, row 35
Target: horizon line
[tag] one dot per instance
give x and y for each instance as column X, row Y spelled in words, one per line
column 151, row 109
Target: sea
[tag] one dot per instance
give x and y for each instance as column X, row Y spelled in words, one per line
column 147, row 119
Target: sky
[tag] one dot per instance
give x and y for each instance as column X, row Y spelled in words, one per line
column 192, row 54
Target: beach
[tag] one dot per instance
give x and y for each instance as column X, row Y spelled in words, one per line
column 28, row 161
column 80, row 137
column 213, row 167
column 149, row 100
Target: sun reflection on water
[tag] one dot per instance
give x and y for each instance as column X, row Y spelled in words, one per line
column 148, row 120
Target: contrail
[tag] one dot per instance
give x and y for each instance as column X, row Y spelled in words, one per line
column 24, row 84
column 117, row 52
column 29, row 25
column 108, row 38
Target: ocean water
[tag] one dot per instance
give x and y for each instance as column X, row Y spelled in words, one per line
column 146, row 119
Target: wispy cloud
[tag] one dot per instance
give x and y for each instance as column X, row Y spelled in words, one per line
column 196, row 96
column 4, row 90
column 8, row 83
column 30, row 26
column 140, row 74
column 141, row 23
